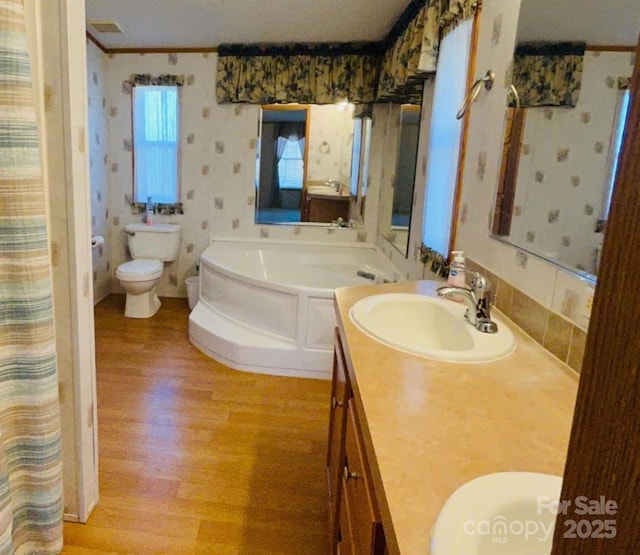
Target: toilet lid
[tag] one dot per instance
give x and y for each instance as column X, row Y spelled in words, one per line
column 140, row 269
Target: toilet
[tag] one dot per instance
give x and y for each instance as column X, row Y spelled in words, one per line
column 150, row 246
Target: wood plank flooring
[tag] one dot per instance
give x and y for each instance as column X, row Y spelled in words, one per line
column 196, row 458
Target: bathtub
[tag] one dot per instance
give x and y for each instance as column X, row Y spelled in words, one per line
column 267, row 306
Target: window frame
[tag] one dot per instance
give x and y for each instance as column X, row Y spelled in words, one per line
column 178, row 147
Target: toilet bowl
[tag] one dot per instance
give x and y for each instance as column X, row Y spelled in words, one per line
column 139, row 278
column 150, row 246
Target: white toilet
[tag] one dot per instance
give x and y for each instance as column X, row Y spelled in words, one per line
column 150, row 246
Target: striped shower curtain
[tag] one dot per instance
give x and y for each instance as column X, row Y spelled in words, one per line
column 30, row 461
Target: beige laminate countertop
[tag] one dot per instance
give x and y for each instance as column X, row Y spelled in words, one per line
column 432, row 426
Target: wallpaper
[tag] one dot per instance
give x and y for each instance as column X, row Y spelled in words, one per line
column 98, row 168
column 564, row 166
column 218, row 167
column 563, row 292
column 330, row 143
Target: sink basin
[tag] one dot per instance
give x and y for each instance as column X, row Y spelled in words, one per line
column 322, row 190
column 431, row 327
column 508, row 513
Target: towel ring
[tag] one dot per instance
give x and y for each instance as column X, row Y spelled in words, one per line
column 514, row 92
column 474, row 91
column 324, row 147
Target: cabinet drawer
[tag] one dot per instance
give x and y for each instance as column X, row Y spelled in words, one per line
column 357, row 488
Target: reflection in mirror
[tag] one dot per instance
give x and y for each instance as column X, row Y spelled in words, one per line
column 304, row 164
column 561, row 145
column 397, row 200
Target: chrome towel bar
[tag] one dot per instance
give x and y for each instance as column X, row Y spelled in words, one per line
column 474, row 91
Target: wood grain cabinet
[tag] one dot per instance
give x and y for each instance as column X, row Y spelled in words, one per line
column 325, row 208
column 354, row 519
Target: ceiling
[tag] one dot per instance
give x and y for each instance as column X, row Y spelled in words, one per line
column 597, row 22
column 208, row 23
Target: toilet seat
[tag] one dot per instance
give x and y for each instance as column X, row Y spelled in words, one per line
column 140, row 270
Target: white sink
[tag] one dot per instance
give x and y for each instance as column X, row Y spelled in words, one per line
column 431, row 327
column 508, row 513
column 322, row 190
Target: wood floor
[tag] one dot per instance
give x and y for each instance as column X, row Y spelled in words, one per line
column 196, row 458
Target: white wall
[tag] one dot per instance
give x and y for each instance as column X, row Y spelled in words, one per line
column 330, row 142
column 64, row 97
column 98, row 136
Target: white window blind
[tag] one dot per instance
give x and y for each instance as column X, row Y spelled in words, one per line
column 156, row 144
column 445, row 135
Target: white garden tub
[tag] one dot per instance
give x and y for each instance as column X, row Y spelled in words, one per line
column 267, row 307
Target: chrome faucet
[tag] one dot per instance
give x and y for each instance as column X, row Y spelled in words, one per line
column 478, row 299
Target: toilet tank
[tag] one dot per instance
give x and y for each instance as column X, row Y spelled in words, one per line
column 156, row 241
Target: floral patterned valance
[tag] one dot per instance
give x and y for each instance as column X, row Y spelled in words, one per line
column 548, row 74
column 147, row 80
column 624, row 83
column 308, row 74
column 411, row 55
column 457, row 12
column 392, row 70
column 363, row 111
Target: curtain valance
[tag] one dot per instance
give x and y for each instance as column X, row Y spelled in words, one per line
column 147, row 80
column 323, row 74
column 624, row 83
column 456, row 13
column 412, row 54
column 391, row 70
column 548, row 74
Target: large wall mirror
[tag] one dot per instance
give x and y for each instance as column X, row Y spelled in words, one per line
column 401, row 153
column 311, row 165
column 564, row 128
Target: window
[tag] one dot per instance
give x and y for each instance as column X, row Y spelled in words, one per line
column 444, row 137
column 156, row 144
column 290, row 166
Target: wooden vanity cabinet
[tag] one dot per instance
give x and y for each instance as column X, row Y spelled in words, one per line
column 325, row 208
column 354, row 520
column 340, row 395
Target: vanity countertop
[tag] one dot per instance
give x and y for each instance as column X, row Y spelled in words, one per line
column 330, row 196
column 432, row 426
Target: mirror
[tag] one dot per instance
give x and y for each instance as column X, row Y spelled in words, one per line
column 402, row 135
column 559, row 162
column 311, row 164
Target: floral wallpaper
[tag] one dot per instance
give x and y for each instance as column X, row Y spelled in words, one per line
column 99, row 169
column 330, row 140
column 218, row 167
column 564, row 166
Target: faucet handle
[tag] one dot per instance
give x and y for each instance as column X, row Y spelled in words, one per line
column 480, row 282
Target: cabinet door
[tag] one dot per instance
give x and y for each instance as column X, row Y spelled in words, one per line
column 358, row 490
column 340, row 393
column 346, row 545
